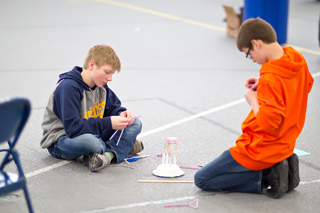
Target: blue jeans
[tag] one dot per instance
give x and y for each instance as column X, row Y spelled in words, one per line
column 87, row 144
column 226, row 174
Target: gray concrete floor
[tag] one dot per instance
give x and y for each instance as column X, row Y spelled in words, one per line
column 177, row 62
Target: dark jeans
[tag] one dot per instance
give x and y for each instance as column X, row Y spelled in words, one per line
column 87, row 144
column 226, row 174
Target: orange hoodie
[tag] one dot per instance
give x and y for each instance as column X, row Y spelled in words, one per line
column 270, row 136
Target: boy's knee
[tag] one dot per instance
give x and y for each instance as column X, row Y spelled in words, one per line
column 137, row 122
column 91, row 143
column 199, row 181
column 86, row 137
column 136, row 125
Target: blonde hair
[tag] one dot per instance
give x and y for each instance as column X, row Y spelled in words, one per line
column 103, row 55
column 255, row 28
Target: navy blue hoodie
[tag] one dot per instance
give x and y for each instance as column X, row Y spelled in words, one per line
column 74, row 109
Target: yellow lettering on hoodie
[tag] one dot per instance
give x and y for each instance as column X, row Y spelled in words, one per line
column 96, row 111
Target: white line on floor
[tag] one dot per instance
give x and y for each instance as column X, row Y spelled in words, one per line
column 143, row 204
column 316, row 74
column 166, row 201
column 184, row 120
column 48, row 168
column 307, row 182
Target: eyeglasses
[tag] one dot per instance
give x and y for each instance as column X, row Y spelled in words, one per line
column 250, row 48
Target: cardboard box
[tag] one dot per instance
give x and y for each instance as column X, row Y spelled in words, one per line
column 233, row 20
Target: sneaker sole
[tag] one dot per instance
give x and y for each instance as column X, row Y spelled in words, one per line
column 94, row 161
column 294, row 177
column 283, row 185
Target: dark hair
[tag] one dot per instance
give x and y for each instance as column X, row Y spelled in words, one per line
column 255, row 28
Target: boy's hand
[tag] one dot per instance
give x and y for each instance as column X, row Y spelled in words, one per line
column 252, row 83
column 128, row 114
column 119, row 122
column 251, row 98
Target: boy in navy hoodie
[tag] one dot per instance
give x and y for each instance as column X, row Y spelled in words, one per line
column 84, row 119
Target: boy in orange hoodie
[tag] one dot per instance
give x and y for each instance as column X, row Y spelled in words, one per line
column 263, row 156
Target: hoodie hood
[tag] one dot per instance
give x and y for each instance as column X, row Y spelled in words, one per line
column 288, row 66
column 74, row 74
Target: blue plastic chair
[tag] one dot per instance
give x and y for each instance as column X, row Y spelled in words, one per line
column 14, row 114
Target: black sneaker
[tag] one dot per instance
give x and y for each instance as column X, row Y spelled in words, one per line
column 278, row 179
column 98, row 161
column 294, row 177
column 136, row 148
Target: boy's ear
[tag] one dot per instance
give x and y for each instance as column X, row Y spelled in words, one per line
column 91, row 64
column 256, row 43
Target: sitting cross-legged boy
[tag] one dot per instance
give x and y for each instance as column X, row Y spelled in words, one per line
column 262, row 159
column 84, row 119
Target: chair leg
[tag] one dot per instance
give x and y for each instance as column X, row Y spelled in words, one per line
column 26, row 194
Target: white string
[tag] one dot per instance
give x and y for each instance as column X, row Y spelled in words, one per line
column 120, row 137
column 115, row 134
